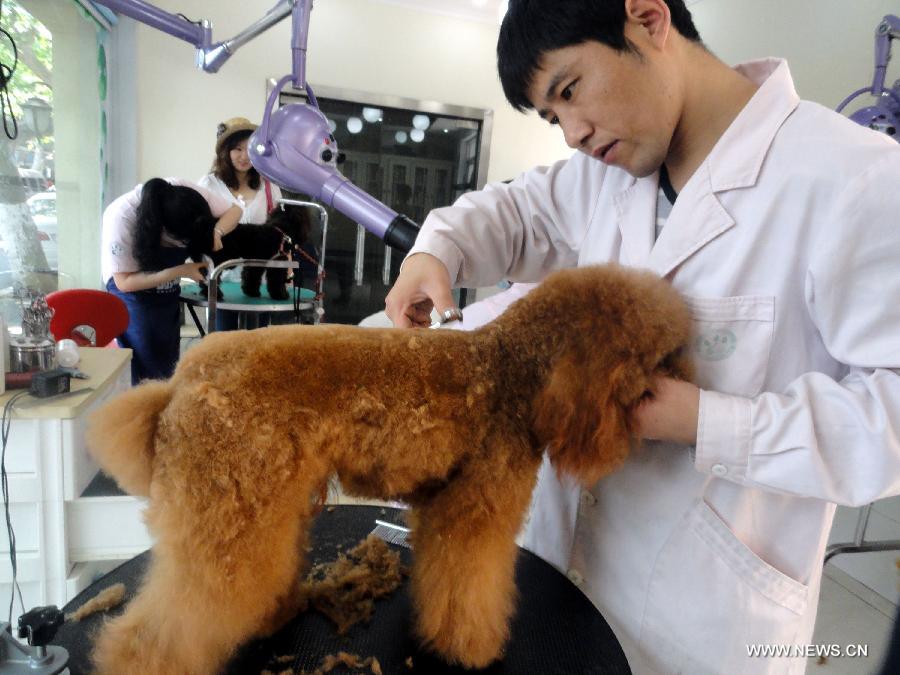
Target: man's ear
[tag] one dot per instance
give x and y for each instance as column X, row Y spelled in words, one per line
column 652, row 18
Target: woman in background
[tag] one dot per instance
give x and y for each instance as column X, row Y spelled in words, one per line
column 235, row 179
column 147, row 235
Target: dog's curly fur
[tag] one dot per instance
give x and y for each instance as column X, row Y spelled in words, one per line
column 233, row 450
column 266, row 242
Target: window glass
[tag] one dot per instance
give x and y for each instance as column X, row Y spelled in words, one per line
column 50, row 172
column 413, row 161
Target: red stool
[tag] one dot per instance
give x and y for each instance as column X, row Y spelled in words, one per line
column 75, row 308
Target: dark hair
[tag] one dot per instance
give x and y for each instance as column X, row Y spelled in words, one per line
column 224, row 169
column 533, row 27
column 179, row 211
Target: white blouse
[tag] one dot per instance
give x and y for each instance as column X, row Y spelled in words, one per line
column 254, row 211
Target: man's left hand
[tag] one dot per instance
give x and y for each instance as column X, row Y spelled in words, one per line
column 670, row 412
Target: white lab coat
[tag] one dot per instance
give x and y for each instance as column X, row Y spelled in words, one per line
column 786, row 245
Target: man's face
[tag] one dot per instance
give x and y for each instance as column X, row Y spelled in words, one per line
column 618, row 107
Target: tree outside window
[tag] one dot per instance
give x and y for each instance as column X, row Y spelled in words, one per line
column 27, row 176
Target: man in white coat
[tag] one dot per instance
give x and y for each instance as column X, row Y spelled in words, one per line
column 784, row 237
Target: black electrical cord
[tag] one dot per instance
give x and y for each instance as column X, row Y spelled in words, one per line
column 196, row 23
column 4, row 432
column 297, row 285
column 6, row 74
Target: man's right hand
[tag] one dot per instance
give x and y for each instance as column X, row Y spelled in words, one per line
column 423, row 284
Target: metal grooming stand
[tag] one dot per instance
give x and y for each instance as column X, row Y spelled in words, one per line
column 213, row 287
column 323, row 219
column 859, row 543
column 316, row 304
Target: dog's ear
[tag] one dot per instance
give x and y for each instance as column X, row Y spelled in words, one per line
column 580, row 418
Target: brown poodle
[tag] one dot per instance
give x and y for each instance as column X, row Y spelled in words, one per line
column 235, row 448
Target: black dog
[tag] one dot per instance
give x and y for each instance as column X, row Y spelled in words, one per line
column 285, row 232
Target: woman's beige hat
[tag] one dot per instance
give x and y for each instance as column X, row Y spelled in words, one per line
column 231, row 127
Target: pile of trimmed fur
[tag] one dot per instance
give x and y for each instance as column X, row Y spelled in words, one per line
column 345, row 590
column 332, row 661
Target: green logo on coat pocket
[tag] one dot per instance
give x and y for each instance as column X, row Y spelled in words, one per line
column 715, row 345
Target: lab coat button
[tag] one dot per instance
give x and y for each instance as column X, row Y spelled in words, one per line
column 588, row 499
column 719, row 469
column 575, row 577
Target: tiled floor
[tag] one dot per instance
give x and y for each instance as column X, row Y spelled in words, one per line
column 851, row 614
column 860, row 592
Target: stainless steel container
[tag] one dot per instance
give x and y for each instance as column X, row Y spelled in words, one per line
column 31, row 353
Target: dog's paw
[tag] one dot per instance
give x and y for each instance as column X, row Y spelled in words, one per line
column 204, row 290
column 279, row 293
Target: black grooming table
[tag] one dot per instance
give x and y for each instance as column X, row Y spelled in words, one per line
column 556, row 630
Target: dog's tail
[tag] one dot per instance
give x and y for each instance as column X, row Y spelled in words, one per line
column 121, row 435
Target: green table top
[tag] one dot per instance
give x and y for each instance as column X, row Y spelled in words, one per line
column 234, row 299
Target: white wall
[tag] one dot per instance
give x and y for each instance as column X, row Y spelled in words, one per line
column 828, row 43
column 355, row 44
column 372, row 46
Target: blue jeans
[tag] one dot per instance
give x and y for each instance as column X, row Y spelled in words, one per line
column 153, row 333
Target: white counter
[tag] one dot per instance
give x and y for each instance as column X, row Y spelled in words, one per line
column 62, row 536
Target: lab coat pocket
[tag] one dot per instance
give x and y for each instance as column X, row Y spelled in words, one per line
column 710, row 596
column 731, row 341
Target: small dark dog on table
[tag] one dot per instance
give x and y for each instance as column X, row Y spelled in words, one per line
column 283, row 235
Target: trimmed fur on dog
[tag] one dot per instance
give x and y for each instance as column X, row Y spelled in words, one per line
column 284, row 231
column 234, row 447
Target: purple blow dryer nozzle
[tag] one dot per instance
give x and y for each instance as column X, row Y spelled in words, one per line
column 297, row 150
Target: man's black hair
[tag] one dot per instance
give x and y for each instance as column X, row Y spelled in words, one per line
column 533, row 27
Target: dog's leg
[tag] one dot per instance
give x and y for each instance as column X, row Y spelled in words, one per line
column 204, row 290
column 276, row 283
column 204, row 287
column 463, row 581
column 251, row 278
column 210, row 587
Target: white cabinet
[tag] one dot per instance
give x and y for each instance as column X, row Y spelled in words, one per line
column 61, row 536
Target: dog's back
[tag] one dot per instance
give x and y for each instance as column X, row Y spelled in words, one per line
column 347, row 394
column 249, row 241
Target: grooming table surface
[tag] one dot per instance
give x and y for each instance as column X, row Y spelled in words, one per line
column 235, row 300
column 556, row 630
